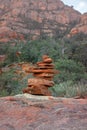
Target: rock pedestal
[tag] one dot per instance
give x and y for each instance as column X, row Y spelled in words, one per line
column 43, row 75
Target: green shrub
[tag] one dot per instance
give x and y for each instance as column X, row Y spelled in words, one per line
column 69, row 70
column 8, row 82
column 69, row 89
column 32, row 51
column 80, row 54
column 12, row 83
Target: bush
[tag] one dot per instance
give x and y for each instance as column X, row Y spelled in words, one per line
column 69, row 89
column 8, row 82
column 12, row 83
column 80, row 54
column 3, row 48
column 32, row 51
column 69, row 70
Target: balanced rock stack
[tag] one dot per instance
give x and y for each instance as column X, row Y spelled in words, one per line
column 43, row 75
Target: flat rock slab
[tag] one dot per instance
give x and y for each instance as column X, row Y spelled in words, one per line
column 28, row 112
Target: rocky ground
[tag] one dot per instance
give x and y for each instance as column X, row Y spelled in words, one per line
column 28, row 112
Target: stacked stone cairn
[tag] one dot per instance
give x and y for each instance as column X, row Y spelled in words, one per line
column 43, row 77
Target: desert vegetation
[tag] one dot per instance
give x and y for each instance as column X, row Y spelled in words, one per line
column 69, row 56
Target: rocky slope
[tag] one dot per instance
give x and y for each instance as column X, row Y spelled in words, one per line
column 26, row 112
column 81, row 26
column 32, row 19
column 29, row 18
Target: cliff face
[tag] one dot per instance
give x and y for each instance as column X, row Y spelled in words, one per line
column 29, row 18
column 81, row 26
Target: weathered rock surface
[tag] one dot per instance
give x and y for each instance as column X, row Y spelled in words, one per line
column 28, row 112
column 29, row 18
column 81, row 27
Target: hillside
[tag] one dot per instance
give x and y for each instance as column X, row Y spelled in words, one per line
column 33, row 19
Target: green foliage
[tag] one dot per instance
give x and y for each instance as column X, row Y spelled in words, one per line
column 69, row 89
column 76, row 48
column 80, row 54
column 32, row 51
column 69, row 70
column 69, row 56
column 10, row 51
column 12, row 83
column 29, row 52
column 8, row 82
column 3, row 48
column 80, row 37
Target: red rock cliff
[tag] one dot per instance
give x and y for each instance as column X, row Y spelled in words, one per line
column 81, row 26
column 21, row 18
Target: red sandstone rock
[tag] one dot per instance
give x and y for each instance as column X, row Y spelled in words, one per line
column 46, row 59
column 45, row 65
column 81, row 26
column 31, row 114
column 40, row 81
column 43, row 73
column 26, row 17
column 37, row 90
